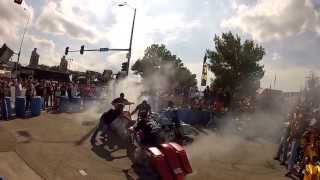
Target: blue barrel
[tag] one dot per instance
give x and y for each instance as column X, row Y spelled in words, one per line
column 64, row 104
column 20, row 106
column 36, row 106
column 75, row 104
column 6, row 108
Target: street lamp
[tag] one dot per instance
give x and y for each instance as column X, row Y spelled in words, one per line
column 130, row 44
column 21, row 43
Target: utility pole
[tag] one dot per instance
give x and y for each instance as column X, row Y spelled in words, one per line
column 131, row 36
column 21, row 43
column 130, row 45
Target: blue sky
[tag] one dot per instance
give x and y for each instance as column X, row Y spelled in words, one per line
column 288, row 29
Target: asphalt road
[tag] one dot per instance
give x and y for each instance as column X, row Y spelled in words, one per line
column 47, row 147
column 227, row 157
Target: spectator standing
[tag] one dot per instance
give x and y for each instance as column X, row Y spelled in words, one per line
column 50, row 93
column 69, row 91
column 12, row 92
column 30, row 90
column 54, row 90
column 296, row 135
column 2, row 99
column 7, row 92
column 57, row 95
column 63, row 89
column 45, row 95
column 74, row 90
column 39, row 89
column 18, row 87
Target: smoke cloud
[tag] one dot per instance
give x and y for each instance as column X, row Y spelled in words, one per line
column 242, row 147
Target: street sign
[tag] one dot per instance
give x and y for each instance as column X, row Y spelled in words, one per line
column 104, row 49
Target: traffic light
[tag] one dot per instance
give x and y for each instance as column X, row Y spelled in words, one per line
column 124, row 66
column 82, row 49
column 18, row 1
column 66, row 51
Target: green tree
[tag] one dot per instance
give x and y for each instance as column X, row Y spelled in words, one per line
column 160, row 62
column 236, row 64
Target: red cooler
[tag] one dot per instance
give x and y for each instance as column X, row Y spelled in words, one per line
column 159, row 163
column 173, row 161
column 183, row 158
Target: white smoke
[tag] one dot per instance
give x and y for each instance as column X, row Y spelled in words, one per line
column 242, row 148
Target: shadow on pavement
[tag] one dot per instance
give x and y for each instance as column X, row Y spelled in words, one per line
column 140, row 173
column 106, row 153
column 102, row 152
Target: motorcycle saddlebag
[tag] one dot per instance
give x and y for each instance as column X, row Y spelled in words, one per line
column 173, row 161
column 183, row 158
column 159, row 163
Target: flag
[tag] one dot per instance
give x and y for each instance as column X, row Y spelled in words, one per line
column 205, row 59
column 204, row 72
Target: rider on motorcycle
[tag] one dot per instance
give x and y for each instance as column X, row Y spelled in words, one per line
column 108, row 117
column 146, row 127
column 119, row 104
column 143, row 109
column 150, row 131
column 121, row 100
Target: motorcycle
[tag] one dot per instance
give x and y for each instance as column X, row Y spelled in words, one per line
column 163, row 161
column 181, row 133
column 113, row 132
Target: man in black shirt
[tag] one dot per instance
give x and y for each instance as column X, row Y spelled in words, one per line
column 120, row 101
column 108, row 117
column 143, row 109
column 39, row 89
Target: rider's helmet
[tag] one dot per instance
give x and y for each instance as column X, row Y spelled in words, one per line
column 122, row 95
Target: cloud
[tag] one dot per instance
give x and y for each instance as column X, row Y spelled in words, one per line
column 288, row 77
column 274, row 19
column 45, row 48
column 103, row 24
column 288, row 30
column 12, row 17
column 53, row 21
column 161, row 28
column 185, row 26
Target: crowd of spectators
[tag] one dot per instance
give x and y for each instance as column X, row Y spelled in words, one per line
column 48, row 90
column 212, row 99
column 299, row 148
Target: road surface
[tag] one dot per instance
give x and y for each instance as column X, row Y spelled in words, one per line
column 53, row 147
